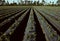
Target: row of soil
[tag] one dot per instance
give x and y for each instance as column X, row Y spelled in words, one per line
column 40, row 36
column 19, row 32
column 58, row 32
column 9, row 23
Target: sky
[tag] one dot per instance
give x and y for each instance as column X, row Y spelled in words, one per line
column 11, row 1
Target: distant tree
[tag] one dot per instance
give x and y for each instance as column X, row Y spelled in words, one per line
column 41, row 4
column 3, row 2
column 34, row 2
column 43, row 1
column 19, row 4
column 38, row 2
column 7, row 3
column 14, row 3
column 58, row 2
column 50, row 2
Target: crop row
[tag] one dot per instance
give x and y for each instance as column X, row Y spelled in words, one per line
column 50, row 33
column 30, row 34
column 13, row 26
column 8, row 22
column 9, row 15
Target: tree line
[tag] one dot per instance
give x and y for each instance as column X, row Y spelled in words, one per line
column 35, row 3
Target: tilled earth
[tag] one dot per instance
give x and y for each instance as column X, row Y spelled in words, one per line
column 28, row 24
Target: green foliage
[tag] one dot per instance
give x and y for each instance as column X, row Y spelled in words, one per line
column 58, row 38
column 53, row 34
